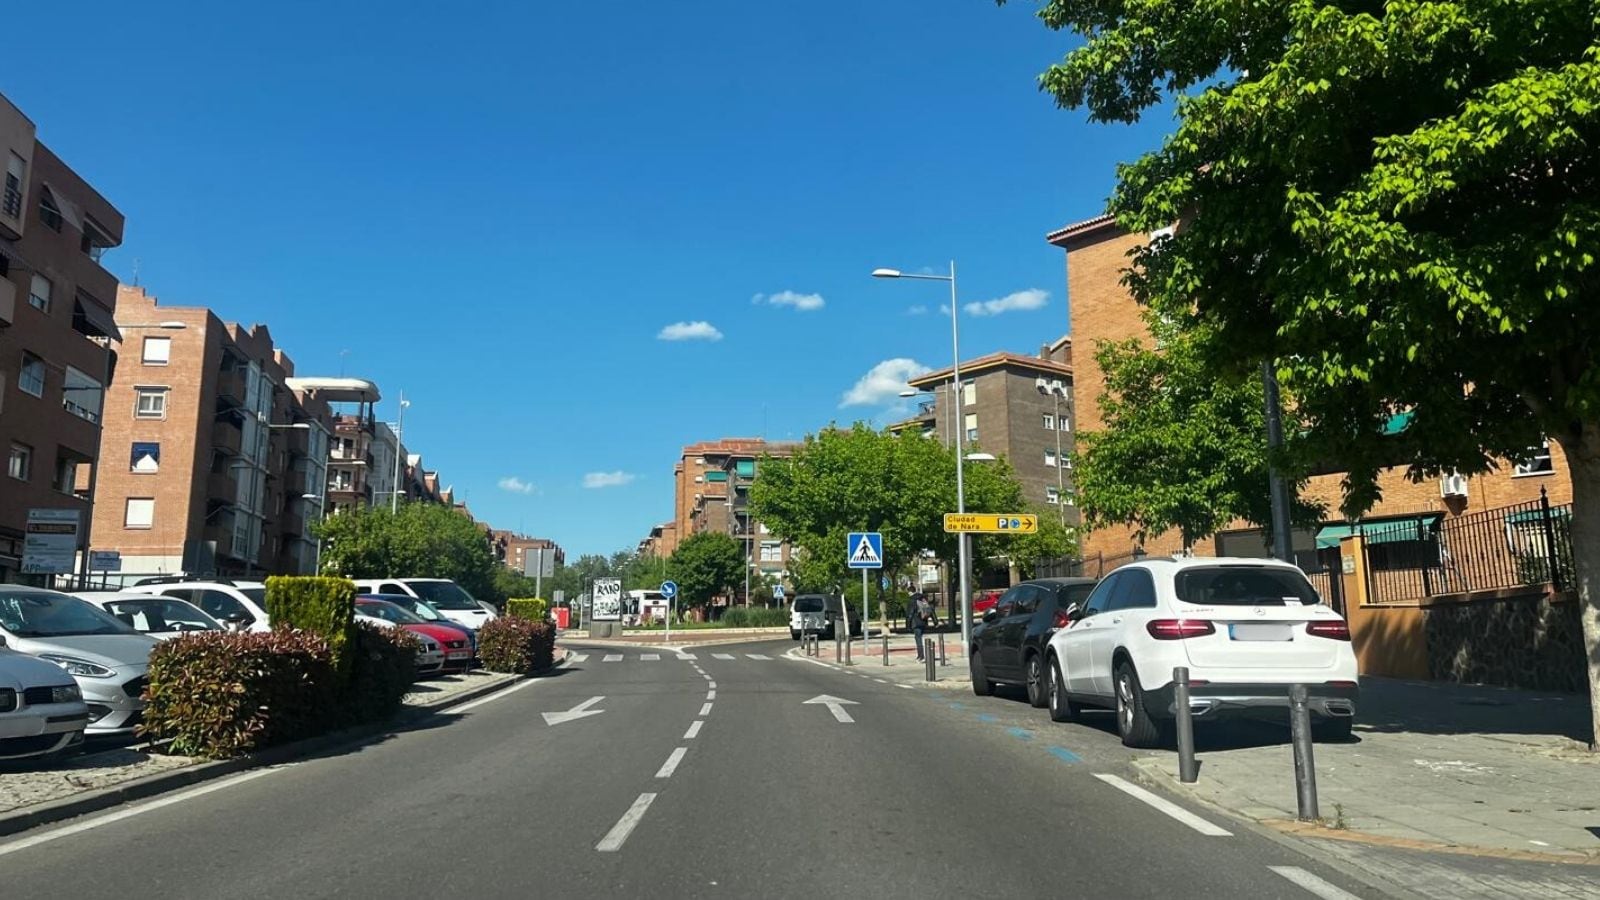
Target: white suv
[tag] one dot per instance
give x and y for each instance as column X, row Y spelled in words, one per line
column 1245, row 628
column 442, row 594
column 240, row 605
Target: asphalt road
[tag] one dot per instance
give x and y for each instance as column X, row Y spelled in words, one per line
column 770, row 797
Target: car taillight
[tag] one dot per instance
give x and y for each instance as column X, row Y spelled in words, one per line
column 1333, row 629
column 1061, row 620
column 1178, row 629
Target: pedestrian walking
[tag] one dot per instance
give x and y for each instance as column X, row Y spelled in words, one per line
column 922, row 618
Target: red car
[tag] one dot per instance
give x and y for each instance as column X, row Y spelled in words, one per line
column 983, row 601
column 455, row 643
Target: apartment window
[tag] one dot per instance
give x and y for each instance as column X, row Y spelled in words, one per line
column 145, row 458
column 1052, row 496
column 151, row 403
column 1064, row 424
column 972, row 426
column 969, row 393
column 20, row 464
column 1049, row 422
column 157, row 351
column 140, row 512
column 81, row 395
column 39, row 293
column 745, row 468
column 11, row 204
column 1537, row 462
column 1050, row 458
column 66, row 475
column 771, row 551
column 31, row 378
column 49, row 212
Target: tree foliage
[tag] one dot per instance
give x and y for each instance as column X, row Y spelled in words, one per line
column 1182, row 448
column 706, row 565
column 1053, row 540
column 418, row 540
column 1398, row 204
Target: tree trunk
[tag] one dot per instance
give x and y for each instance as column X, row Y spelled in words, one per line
column 1583, row 461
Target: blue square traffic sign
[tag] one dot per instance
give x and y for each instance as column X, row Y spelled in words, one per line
column 864, row 550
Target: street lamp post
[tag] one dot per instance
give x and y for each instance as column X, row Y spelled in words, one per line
column 955, row 387
column 399, row 439
column 94, row 470
column 1056, row 389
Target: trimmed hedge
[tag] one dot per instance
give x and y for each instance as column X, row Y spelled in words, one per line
column 219, row 694
column 382, row 667
column 517, row 646
column 324, row 606
column 753, row 617
column 533, row 610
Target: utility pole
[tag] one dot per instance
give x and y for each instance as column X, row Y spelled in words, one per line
column 399, row 441
column 1282, row 537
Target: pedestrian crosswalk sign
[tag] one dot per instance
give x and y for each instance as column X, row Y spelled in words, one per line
column 864, row 550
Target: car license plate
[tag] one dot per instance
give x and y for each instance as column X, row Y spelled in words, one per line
column 1265, row 631
column 459, row 654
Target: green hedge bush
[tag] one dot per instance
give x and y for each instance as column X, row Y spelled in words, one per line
column 753, row 617
column 221, row 694
column 517, row 646
column 383, row 664
column 322, row 606
column 533, row 610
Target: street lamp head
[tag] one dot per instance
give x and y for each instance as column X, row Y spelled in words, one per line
column 981, row 457
column 909, row 393
column 885, row 273
column 310, row 496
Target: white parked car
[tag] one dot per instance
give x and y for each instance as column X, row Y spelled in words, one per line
column 42, row 713
column 160, row 617
column 109, row 660
column 1245, row 628
column 239, row 605
column 441, row 593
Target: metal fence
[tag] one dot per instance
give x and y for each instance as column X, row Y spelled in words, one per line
column 1511, row 546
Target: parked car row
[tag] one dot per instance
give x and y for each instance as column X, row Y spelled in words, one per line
column 76, row 665
column 1245, row 629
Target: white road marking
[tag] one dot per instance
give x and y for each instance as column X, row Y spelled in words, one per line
column 835, row 705
column 711, row 695
column 880, row 681
column 671, row 765
column 906, row 686
column 694, row 730
column 682, row 655
column 577, row 657
column 712, row 685
column 581, row 711
column 492, row 697
column 1166, row 806
column 723, row 656
column 613, row 657
column 705, row 710
column 1312, row 883
column 131, row 811
column 757, row 656
column 618, row 835
column 650, row 657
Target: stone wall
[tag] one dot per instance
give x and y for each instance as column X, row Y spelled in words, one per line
column 1532, row 639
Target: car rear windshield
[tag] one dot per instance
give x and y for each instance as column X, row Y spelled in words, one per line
column 445, row 595
column 808, row 604
column 1244, row 586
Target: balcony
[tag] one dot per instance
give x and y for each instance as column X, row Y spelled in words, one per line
column 294, row 483
column 292, row 523
column 223, row 536
column 231, row 387
column 226, row 439
column 222, row 487
column 298, row 442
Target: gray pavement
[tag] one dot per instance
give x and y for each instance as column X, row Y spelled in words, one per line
column 920, row 793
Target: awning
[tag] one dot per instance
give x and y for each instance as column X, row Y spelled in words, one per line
column 1386, row 531
column 1398, row 422
column 1537, row 515
column 69, row 210
column 91, row 318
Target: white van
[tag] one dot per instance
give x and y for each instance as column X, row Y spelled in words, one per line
column 818, row 612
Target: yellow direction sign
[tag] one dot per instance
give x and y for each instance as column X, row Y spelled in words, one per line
column 991, row 523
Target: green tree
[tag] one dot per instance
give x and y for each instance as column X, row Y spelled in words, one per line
column 418, row 540
column 1395, row 204
column 1181, row 448
column 1053, row 540
column 704, row 566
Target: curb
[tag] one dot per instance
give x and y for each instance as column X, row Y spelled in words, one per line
column 165, row 782
column 1299, row 834
column 949, row 684
column 675, row 645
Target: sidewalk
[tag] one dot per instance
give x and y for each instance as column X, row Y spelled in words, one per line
column 904, row 668
column 1436, row 765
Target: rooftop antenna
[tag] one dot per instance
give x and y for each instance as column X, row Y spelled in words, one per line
column 136, row 271
column 342, row 355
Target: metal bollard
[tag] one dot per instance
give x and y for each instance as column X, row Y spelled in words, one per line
column 838, row 651
column 886, row 647
column 942, row 660
column 848, row 641
column 1305, row 766
column 1188, row 770
column 927, row 656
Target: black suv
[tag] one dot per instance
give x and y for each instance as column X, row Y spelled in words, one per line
column 1008, row 646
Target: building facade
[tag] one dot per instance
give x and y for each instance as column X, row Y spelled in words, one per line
column 57, row 328
column 215, row 463
column 713, row 480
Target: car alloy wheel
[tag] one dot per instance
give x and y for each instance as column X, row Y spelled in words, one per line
column 1036, row 686
column 1061, row 708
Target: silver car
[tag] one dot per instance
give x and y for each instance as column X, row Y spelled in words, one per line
column 41, row 708
column 109, row 660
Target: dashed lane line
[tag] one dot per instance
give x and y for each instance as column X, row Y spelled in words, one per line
column 711, row 695
column 671, row 765
column 618, row 835
column 705, row 710
column 694, row 730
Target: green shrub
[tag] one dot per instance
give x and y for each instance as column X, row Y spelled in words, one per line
column 517, row 646
column 382, row 667
column 534, row 610
column 322, row 606
column 753, row 617
column 221, row 694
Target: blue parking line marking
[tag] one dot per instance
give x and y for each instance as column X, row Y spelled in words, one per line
column 1022, row 733
column 958, row 706
column 985, row 717
column 1065, row 755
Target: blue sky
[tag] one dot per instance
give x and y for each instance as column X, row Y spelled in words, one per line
column 502, row 208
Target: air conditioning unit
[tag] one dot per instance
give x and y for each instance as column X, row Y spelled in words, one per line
column 1453, row 485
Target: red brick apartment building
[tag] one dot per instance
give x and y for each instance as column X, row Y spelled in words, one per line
column 56, row 332
column 712, row 482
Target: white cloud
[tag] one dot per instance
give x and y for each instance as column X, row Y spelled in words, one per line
column 607, row 479
column 918, row 310
column 801, row 302
column 1033, row 298
column 690, row 331
column 884, row 382
column 515, row 485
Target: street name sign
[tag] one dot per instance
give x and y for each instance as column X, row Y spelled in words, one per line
column 105, row 561
column 607, row 600
column 991, row 523
column 864, row 550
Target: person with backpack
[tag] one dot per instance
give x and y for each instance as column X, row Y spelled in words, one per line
column 922, row 618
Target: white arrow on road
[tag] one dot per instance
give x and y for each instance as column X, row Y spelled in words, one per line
column 580, row 711
column 835, row 705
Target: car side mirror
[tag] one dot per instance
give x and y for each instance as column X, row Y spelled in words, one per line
column 990, row 614
column 1074, row 613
